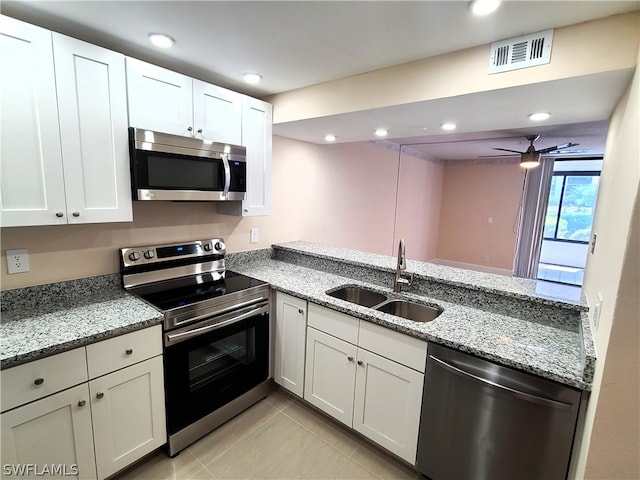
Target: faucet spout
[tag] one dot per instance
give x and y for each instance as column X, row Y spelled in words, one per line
column 401, row 265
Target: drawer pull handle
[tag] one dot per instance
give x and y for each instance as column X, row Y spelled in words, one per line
column 82, row 403
column 99, row 395
column 350, row 358
column 129, row 351
column 360, row 363
column 38, row 381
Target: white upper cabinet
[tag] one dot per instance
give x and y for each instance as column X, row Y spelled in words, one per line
column 257, row 121
column 92, row 104
column 217, row 113
column 65, row 152
column 31, row 168
column 159, row 99
column 166, row 101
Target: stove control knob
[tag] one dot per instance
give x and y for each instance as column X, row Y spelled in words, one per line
column 207, row 247
column 149, row 254
column 219, row 246
column 133, row 256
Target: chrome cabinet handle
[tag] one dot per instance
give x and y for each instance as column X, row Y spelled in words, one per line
column 190, row 129
column 76, row 214
column 129, row 351
column 38, row 381
column 360, row 363
column 199, row 130
column 82, row 403
column 99, row 395
column 350, row 358
column 59, row 214
column 300, row 311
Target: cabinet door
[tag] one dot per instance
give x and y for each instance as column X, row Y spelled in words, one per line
column 387, row 404
column 217, row 113
column 92, row 100
column 257, row 122
column 159, row 99
column 330, row 375
column 31, row 166
column 290, row 338
column 127, row 408
column 54, row 432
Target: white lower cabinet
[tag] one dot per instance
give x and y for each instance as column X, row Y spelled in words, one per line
column 120, row 409
column 290, row 334
column 53, row 433
column 375, row 394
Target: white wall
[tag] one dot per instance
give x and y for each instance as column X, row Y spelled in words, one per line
column 614, row 217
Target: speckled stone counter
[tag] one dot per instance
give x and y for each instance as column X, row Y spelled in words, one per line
column 545, row 346
column 44, row 320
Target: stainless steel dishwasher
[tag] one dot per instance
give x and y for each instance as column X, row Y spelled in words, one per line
column 485, row 421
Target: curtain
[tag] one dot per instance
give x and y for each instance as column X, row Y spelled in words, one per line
column 533, row 209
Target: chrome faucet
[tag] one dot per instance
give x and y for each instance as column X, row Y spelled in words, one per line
column 402, row 265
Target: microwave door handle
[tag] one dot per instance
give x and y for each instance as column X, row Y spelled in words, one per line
column 227, row 174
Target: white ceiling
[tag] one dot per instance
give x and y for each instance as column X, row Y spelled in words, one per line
column 294, row 44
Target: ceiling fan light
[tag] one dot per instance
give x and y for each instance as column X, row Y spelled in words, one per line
column 529, row 160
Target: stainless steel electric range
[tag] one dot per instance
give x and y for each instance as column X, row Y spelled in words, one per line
column 216, row 333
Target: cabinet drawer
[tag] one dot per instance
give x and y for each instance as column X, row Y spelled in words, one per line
column 334, row 323
column 409, row 351
column 119, row 352
column 37, row 379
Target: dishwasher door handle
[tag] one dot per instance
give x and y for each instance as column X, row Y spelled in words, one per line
column 509, row 391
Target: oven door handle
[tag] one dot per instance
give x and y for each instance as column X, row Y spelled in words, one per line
column 180, row 337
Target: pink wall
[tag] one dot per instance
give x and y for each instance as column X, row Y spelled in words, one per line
column 470, row 195
column 418, row 212
column 352, row 190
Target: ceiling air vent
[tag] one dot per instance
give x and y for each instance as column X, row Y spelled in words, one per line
column 522, row 52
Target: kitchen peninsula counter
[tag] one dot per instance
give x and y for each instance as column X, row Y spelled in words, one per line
column 549, row 337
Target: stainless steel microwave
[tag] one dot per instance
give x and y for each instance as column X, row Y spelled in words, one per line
column 172, row 167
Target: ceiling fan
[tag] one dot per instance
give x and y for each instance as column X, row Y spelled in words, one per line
column 531, row 158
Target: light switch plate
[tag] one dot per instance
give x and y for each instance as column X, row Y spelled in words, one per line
column 596, row 312
column 17, row 260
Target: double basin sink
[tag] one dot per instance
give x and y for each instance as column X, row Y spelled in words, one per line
column 407, row 309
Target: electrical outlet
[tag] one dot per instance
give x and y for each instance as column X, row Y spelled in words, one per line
column 255, row 235
column 17, row 261
column 485, row 259
column 490, row 220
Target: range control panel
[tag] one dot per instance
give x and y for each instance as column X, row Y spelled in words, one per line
column 161, row 253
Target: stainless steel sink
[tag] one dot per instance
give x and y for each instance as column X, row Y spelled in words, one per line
column 358, row 295
column 410, row 310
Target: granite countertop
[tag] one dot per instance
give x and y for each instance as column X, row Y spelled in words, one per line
column 548, row 293
column 44, row 320
column 552, row 352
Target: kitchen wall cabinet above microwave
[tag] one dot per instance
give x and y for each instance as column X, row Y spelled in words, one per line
column 167, row 101
column 65, row 155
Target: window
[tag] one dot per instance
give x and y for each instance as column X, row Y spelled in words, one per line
column 572, row 200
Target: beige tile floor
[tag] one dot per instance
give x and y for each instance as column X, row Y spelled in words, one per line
column 278, row 438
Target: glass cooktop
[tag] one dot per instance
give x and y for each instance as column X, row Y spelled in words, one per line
column 179, row 292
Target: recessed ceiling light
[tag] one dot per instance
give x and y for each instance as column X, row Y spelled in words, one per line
column 381, row 132
column 449, row 126
column 161, row 40
column 252, row 78
column 330, row 138
column 539, row 117
column 484, row 7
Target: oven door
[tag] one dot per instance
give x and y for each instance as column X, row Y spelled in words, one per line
column 210, row 363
